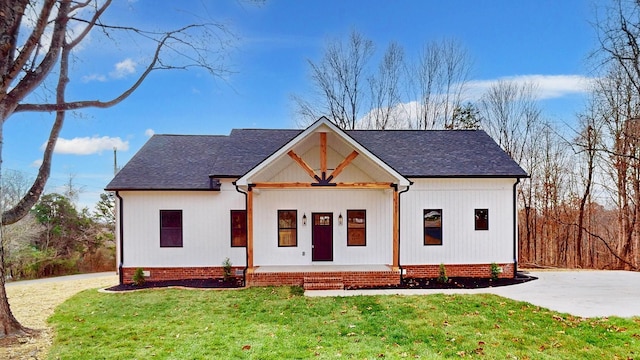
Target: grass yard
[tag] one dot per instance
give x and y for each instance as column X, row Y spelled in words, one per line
column 278, row 323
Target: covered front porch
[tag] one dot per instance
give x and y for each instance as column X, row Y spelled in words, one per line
column 323, row 277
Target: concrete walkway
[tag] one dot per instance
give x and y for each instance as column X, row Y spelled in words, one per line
column 580, row 293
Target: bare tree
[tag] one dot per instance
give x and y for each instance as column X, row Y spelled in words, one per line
column 385, row 90
column 34, row 61
column 619, row 91
column 618, row 104
column 587, row 141
column 510, row 111
column 339, row 79
column 619, row 35
column 438, row 79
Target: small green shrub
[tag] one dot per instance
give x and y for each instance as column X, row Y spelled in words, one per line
column 442, row 277
column 495, row 271
column 226, row 270
column 138, row 277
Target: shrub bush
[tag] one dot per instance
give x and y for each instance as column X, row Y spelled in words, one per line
column 442, row 276
column 495, row 271
column 138, row 277
column 226, row 270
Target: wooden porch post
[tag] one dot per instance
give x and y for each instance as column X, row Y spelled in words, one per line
column 250, row 230
column 396, row 229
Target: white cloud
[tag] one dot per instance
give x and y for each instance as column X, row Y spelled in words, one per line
column 36, row 163
column 94, row 77
column 124, row 68
column 548, row 86
column 149, row 132
column 89, row 145
column 545, row 87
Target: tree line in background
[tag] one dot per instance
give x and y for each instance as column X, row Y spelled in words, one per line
column 580, row 208
column 57, row 238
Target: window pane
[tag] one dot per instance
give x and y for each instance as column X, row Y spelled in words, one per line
column 482, row 219
column 287, row 224
column 287, row 237
column 171, row 237
column 171, row 218
column 356, row 227
column 287, row 219
column 238, row 228
column 170, row 228
column 433, row 226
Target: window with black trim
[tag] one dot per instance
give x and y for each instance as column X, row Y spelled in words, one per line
column 238, row 228
column 432, row 226
column 482, row 219
column 356, row 227
column 287, row 228
column 170, row 228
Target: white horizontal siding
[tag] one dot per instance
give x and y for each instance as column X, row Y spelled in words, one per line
column 458, row 198
column 206, row 227
column 377, row 203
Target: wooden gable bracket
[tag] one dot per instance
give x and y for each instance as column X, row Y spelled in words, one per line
column 323, row 180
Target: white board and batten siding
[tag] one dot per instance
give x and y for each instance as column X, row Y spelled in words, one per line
column 379, row 228
column 458, row 199
column 206, row 227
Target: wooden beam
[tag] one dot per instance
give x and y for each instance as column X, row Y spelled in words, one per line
column 250, row 229
column 277, row 185
column 354, row 185
column 323, row 152
column 303, row 164
column 396, row 227
column 343, row 164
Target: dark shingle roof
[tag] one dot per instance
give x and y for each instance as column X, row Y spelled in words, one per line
column 186, row 161
column 249, row 147
column 439, row 153
column 170, row 162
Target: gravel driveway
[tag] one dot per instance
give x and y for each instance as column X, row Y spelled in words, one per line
column 33, row 301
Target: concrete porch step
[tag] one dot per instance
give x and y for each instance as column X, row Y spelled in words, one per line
column 323, row 283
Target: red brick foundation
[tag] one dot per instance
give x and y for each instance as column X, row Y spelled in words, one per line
column 178, row 273
column 456, row 270
column 349, row 278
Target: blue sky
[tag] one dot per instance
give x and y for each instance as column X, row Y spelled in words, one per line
column 545, row 40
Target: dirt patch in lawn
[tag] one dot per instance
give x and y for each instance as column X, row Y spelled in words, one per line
column 33, row 302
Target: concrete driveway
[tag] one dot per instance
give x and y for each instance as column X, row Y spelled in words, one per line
column 580, row 293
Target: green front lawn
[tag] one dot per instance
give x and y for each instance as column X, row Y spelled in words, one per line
column 273, row 323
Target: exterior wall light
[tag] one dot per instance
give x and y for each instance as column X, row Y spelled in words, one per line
column 304, row 219
column 340, row 219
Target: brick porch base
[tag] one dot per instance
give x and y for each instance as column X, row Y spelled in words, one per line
column 349, row 278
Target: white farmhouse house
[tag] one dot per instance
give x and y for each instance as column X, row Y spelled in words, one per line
column 321, row 207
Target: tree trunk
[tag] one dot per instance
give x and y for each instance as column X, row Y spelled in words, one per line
column 9, row 325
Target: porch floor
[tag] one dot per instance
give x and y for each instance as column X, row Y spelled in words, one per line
column 320, row 268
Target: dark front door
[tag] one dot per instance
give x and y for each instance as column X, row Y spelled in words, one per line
column 322, row 239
